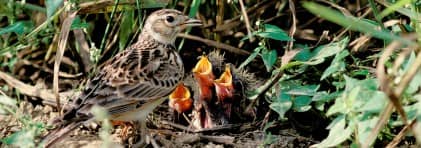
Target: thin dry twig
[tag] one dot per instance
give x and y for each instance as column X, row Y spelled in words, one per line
column 401, row 135
column 215, row 44
column 62, row 42
column 29, row 90
column 246, row 20
column 293, row 25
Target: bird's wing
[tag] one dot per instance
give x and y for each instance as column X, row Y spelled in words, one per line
column 136, row 74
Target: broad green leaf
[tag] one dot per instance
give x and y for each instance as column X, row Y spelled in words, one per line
column 281, row 105
column 22, row 138
column 306, row 90
column 251, row 57
column 274, row 32
column 126, row 28
column 20, row 27
column 365, row 127
column 302, row 103
column 344, row 103
column 325, row 97
column 52, row 6
column 353, row 23
column 269, row 58
column 305, row 53
column 321, row 52
column 374, row 104
column 415, row 83
column 337, row 134
column 337, row 64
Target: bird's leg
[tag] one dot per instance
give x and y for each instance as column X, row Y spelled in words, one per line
column 141, row 125
column 125, row 130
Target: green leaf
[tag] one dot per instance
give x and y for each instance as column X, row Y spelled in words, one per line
column 52, row 6
column 274, row 32
column 269, row 58
column 415, row 84
column 19, row 28
column 323, row 96
column 365, row 127
column 306, row 90
column 337, row 64
column 281, row 105
column 126, row 28
column 324, row 51
column 302, row 103
column 22, row 138
column 305, row 53
column 337, row 134
column 251, row 57
column 374, row 104
column 78, row 24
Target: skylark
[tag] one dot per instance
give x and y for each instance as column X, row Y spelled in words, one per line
column 136, row 80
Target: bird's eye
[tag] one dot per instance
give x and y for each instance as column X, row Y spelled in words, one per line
column 170, row 19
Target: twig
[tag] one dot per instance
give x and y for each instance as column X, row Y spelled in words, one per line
column 29, row 89
column 383, row 118
column 293, row 25
column 215, row 44
column 246, row 20
column 401, row 134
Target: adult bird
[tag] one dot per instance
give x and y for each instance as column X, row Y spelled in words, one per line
column 136, row 80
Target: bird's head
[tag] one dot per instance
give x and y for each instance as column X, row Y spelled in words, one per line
column 164, row 25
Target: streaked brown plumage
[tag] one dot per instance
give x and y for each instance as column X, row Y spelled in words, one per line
column 136, row 80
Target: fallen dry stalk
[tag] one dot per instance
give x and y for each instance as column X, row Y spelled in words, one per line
column 246, row 20
column 401, row 134
column 28, row 89
column 62, row 42
column 215, row 44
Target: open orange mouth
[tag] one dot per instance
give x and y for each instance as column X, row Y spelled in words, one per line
column 223, row 86
column 203, row 74
column 180, row 99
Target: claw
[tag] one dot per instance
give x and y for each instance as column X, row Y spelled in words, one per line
column 126, row 126
column 180, row 99
column 203, row 74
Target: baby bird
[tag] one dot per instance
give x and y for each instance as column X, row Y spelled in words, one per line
column 136, row 80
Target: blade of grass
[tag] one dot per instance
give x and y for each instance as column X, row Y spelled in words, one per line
column 353, row 23
column 393, row 8
column 107, row 28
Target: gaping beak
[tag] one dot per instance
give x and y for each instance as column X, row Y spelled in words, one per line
column 224, row 85
column 190, row 22
column 203, row 74
column 180, row 99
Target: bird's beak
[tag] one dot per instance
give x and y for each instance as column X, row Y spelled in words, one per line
column 190, row 22
column 203, row 74
column 180, row 99
column 223, row 86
